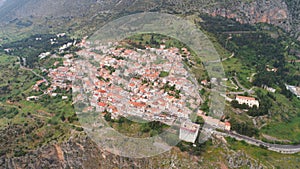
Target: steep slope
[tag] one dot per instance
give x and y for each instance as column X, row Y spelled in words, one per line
column 282, row 13
column 294, row 10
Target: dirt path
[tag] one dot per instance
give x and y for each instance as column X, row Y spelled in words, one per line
column 60, row 153
column 25, row 68
column 242, row 87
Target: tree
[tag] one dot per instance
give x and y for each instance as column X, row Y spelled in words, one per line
column 107, row 116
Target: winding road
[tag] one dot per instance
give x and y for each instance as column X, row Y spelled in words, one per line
column 284, row 149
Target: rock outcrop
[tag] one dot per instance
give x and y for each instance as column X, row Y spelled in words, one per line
column 81, row 152
column 259, row 11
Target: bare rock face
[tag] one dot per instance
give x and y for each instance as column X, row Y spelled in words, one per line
column 78, row 152
column 294, row 10
column 81, row 152
column 239, row 159
column 259, row 11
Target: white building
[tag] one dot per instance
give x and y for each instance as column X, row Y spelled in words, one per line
column 189, row 131
column 32, row 98
column 269, row 89
column 295, row 90
column 250, row 101
column 64, row 97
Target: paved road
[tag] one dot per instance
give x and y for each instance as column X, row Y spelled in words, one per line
column 285, row 149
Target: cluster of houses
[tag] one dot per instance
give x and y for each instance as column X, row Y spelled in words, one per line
column 130, row 83
column 61, row 78
column 153, row 84
column 189, row 131
column 36, row 86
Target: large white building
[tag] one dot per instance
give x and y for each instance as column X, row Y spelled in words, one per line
column 189, row 131
column 250, row 101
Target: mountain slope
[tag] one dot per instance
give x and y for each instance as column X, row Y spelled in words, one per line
column 282, row 13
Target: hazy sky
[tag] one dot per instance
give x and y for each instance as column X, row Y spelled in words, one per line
column 1, row 2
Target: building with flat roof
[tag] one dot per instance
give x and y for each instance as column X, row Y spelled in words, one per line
column 214, row 122
column 189, row 131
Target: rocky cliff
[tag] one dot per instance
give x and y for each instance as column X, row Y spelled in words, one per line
column 81, row 152
column 263, row 11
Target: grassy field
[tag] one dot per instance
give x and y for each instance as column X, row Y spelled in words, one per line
column 138, row 130
column 284, row 119
column 5, row 59
column 281, row 130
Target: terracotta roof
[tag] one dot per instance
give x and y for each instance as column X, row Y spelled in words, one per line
column 127, row 52
column 137, row 104
column 102, row 104
column 227, row 123
column 131, row 84
column 245, row 98
column 101, row 91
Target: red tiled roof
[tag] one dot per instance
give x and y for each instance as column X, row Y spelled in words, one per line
column 102, row 104
column 127, row 52
column 101, row 91
column 137, row 104
column 245, row 98
column 170, row 97
column 99, row 83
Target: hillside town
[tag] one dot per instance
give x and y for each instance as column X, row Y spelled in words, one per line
column 153, row 85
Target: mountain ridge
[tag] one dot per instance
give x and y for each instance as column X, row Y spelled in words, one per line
column 281, row 13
